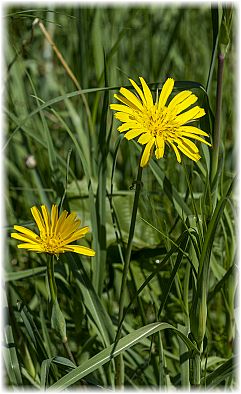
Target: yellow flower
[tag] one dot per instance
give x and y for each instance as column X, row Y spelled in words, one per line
column 160, row 123
column 56, row 233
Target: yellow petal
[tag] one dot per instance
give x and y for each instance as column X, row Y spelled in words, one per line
column 196, row 137
column 38, row 219
column 33, row 248
column 133, row 133
column 185, row 104
column 122, row 108
column 188, row 153
column 80, row 249
column 132, row 98
column 69, row 225
column 69, row 230
column 145, row 138
column 193, row 130
column 179, row 98
column 147, row 93
column 60, row 221
column 46, row 217
column 193, row 113
column 124, row 100
column 76, row 235
column 27, row 232
column 147, row 151
column 23, row 238
column 127, row 126
column 189, row 145
column 123, row 127
column 178, row 156
column 159, row 152
column 165, row 93
column 122, row 116
column 134, row 84
column 54, row 218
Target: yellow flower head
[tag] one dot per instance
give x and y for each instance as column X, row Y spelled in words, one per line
column 160, row 123
column 55, row 233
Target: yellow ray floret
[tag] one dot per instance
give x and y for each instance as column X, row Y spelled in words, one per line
column 55, row 233
column 162, row 123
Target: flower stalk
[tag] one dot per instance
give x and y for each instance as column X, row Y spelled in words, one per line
column 51, row 280
column 197, row 370
column 119, row 359
column 217, row 125
column 57, row 317
column 130, row 242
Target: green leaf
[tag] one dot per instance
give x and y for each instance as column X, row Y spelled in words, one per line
column 32, row 330
column 12, row 276
column 10, row 351
column 99, row 273
column 44, row 373
column 92, row 301
column 10, row 358
column 221, row 373
column 212, row 228
column 107, row 354
column 63, row 361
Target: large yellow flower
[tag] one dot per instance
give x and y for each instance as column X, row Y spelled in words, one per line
column 160, row 123
column 56, row 233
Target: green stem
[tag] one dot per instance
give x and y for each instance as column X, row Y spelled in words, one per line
column 129, row 245
column 51, row 279
column 119, row 359
column 217, row 129
column 197, row 370
column 68, row 351
column 57, row 318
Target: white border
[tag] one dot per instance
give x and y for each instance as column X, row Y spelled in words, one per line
column 34, row 3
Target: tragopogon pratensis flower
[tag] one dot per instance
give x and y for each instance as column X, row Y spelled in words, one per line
column 55, row 233
column 159, row 123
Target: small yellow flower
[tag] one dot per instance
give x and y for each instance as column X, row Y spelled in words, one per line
column 56, row 233
column 160, row 123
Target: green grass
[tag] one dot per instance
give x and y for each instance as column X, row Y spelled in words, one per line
column 177, row 327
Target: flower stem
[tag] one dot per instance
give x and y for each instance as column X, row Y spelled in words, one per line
column 197, row 370
column 51, row 279
column 129, row 244
column 217, row 129
column 119, row 359
column 58, row 323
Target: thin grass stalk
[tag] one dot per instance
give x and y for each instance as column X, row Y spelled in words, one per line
column 217, row 128
column 119, row 360
column 129, row 244
column 68, row 70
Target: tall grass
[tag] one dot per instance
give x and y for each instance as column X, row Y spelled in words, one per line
column 175, row 326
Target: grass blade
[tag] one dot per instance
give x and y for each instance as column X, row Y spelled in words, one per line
column 107, row 354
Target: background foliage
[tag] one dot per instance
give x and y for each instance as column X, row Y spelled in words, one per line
column 62, row 143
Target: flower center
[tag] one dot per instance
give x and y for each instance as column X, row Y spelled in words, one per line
column 51, row 244
column 159, row 122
